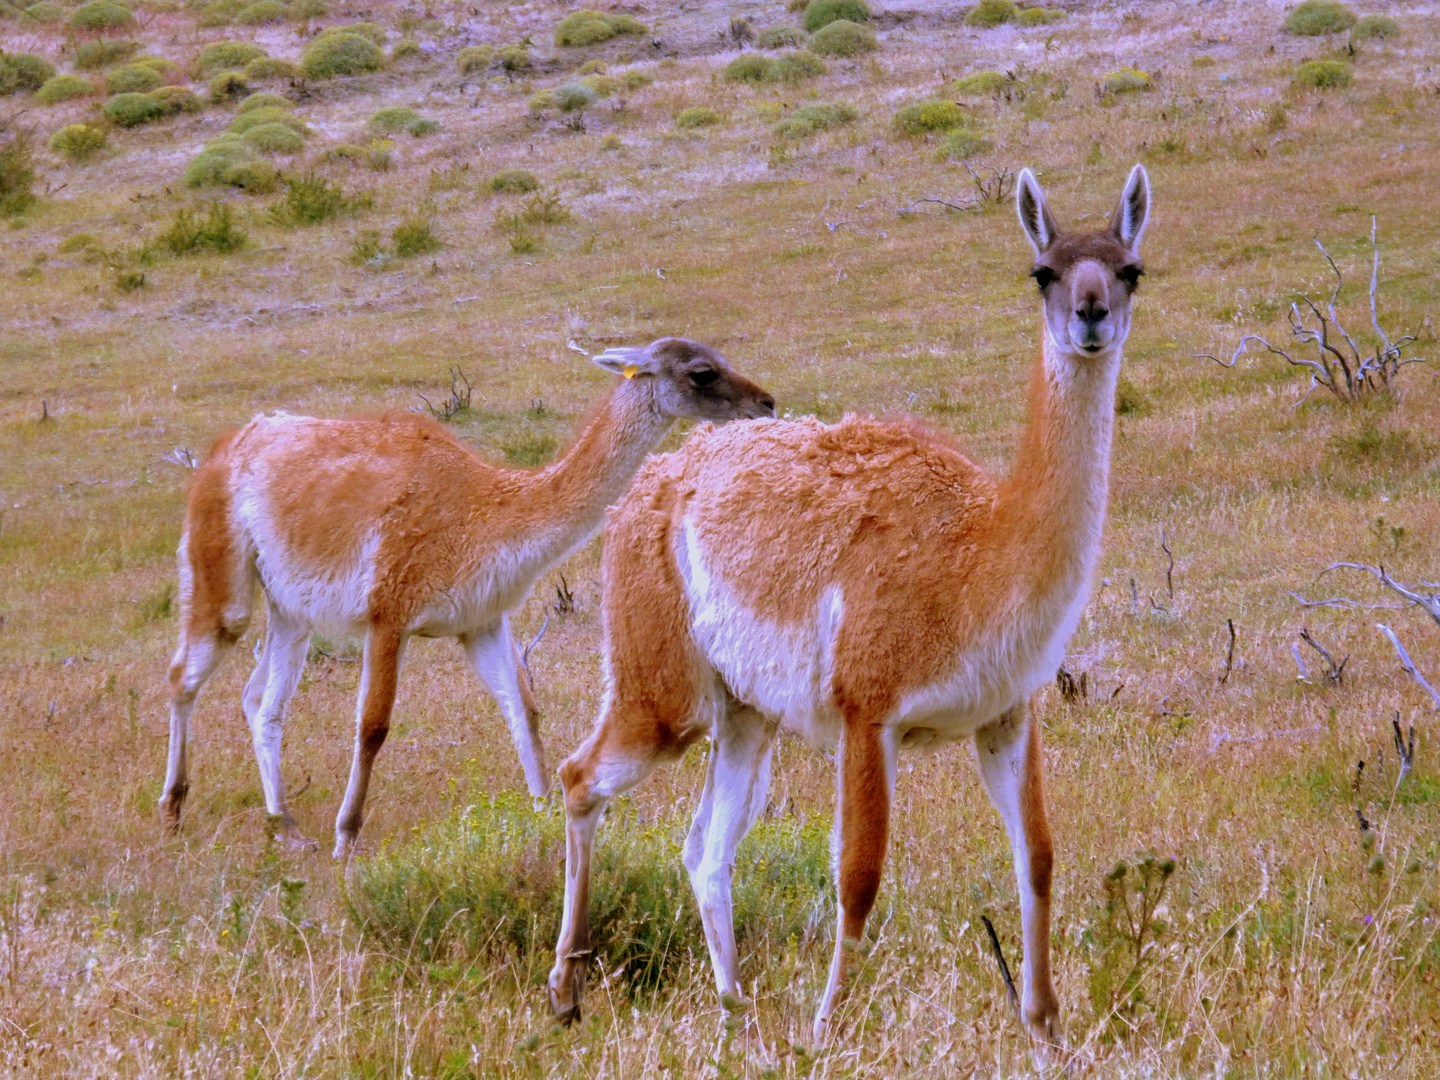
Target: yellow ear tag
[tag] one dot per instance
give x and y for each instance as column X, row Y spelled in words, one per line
column 631, row 370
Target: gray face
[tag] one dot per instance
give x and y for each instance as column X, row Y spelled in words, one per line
column 694, row 381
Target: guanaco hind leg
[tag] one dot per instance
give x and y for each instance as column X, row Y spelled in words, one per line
column 493, row 658
column 1011, row 763
column 267, row 696
column 384, row 652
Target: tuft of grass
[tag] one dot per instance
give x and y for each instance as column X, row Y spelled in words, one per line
column 23, row 71
column 311, row 199
column 981, row 82
column 131, row 79
column 1316, row 17
column 1126, row 80
column 17, row 172
column 588, row 27
column 819, row 13
column 267, row 114
column 809, row 119
column 1375, row 28
column 397, row 118
column 190, row 233
column 415, row 237
column 797, row 65
column 101, row 15
column 269, row 68
column 475, row 59
column 78, row 142
column 63, row 88
column 990, row 13
column 923, row 117
column 961, row 144
column 1323, row 74
column 95, row 55
column 275, row 139
column 219, row 55
column 332, row 55
column 405, row 48
column 176, row 99
column 132, row 110
column 780, row 37
column 511, row 181
column 263, row 13
column 219, row 162
column 697, row 116
column 1038, row 16
column 843, row 38
column 228, row 86
column 262, row 100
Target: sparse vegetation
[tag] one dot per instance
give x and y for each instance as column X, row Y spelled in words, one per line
column 697, row 116
column 311, row 199
column 1126, row 80
column 1035, row 16
column 1375, row 28
column 514, row 181
column 841, row 37
column 980, row 82
column 809, row 119
column 961, row 144
column 17, row 171
column 191, row 233
column 1315, row 17
column 795, row 66
column 415, row 237
column 475, row 59
column 1323, row 74
column 78, row 142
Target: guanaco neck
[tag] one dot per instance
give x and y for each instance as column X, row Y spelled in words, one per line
column 1051, row 511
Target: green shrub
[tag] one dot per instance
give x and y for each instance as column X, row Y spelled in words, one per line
column 101, row 15
column 190, row 234
column 263, row 100
column 226, row 54
column 157, row 64
column 220, row 12
column 820, row 13
column 514, row 180
column 254, row 176
column 312, row 200
column 265, row 68
column 405, row 47
column 76, row 242
column 489, row 882
column 228, row 86
column 573, row 97
column 372, row 32
column 63, row 88
column 587, row 27
column 341, row 54
column 635, row 79
column 17, row 172
column 131, row 79
column 349, row 153
column 697, row 116
column 749, row 67
column 393, row 118
column 78, row 142
column 94, row 55
column 309, row 9
column 45, row 12
column 176, row 99
column 797, row 65
column 1038, row 16
column 474, row 59
column 1126, row 80
column 961, row 144
column 131, row 110
column 262, row 12
column 514, row 59
column 809, row 119
column 23, row 71
column 1323, row 74
column 1374, row 27
column 927, row 116
column 216, row 164
column 843, row 38
column 275, row 139
column 780, row 37
column 980, row 82
column 989, row 13
column 1315, row 17
column 414, row 237
column 268, row 114
column 603, row 86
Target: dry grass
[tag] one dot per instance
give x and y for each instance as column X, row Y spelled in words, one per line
column 1282, row 948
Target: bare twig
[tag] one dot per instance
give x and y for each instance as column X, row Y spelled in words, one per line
column 1229, row 653
column 1169, row 569
column 1000, row 960
column 564, row 597
column 1409, row 665
column 1334, row 673
column 995, row 187
column 1430, row 603
column 1405, row 750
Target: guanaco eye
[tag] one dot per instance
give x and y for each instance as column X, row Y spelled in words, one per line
column 704, row 377
column 1043, row 276
column 1131, row 274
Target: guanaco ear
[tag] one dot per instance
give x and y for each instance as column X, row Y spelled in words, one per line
column 629, row 361
column 1128, row 221
column 1035, row 216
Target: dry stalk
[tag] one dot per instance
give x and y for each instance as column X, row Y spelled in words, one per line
column 1229, row 653
column 1339, row 364
column 1334, row 673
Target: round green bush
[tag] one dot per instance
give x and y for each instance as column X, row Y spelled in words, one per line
column 780, row 37
column 131, row 110
column 573, row 97
column 254, row 176
column 393, row 118
column 405, row 47
column 23, row 71
column 94, row 55
column 63, row 88
column 75, row 242
column 749, row 67
column 213, row 164
column 131, row 79
column 309, row 9
column 820, row 13
column 263, row 12
column 961, row 144
column 989, row 13
column 226, row 54
column 268, row 114
column 275, row 139
column 341, row 54
column 843, row 38
column 101, row 15
column 1038, row 16
column 176, row 99
column 980, row 82
column 372, row 32
column 157, row 64
column 1125, row 80
column 697, row 116
column 514, row 58
column 587, row 27
column 228, row 86
column 423, row 126
column 220, row 12
column 1323, row 74
column 927, row 116
column 262, row 100
column 474, row 59
column 45, row 12
column 514, row 180
column 1316, row 17
column 635, row 79
column 797, row 65
column 265, row 68
column 78, row 142
column 1373, row 27
column 809, row 119
column 604, row 86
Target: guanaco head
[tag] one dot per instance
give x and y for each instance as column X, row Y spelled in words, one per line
column 690, row 380
column 1086, row 279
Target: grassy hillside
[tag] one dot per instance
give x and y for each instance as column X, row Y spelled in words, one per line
column 840, row 227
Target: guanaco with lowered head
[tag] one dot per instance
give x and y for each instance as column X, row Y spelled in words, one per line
column 867, row 586
column 393, row 528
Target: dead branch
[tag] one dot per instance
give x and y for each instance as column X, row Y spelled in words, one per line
column 459, row 400
column 1405, row 750
column 1229, row 653
column 1000, row 960
column 1170, row 569
column 1339, row 365
column 564, row 597
column 1334, row 673
column 996, row 187
column 1409, row 665
column 1430, row 603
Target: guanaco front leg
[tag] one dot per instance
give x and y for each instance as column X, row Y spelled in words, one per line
column 384, row 650
column 494, row 660
column 266, row 697
column 1011, row 763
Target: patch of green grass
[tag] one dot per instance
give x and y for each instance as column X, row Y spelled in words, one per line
column 475, row 59
column 697, row 116
column 819, row 13
column 589, row 27
column 843, row 38
column 1375, row 28
column 809, row 119
column 1038, row 16
column 63, row 88
column 131, row 110
column 989, row 13
column 1323, row 74
column 78, row 142
column 311, row 199
column 1315, row 17
column 415, row 237
column 333, row 55
column 1126, row 80
column 923, row 117
column 514, row 180
column 960, row 144
column 797, row 65
column 190, row 233
column 981, row 82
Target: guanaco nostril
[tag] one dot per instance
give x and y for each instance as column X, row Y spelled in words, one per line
column 768, row 404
